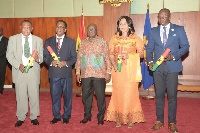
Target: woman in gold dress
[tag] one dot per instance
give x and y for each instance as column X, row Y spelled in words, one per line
column 125, row 46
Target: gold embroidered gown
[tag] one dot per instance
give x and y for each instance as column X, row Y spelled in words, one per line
column 125, row 106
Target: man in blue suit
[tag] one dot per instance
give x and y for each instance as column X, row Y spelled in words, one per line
column 60, row 72
column 166, row 35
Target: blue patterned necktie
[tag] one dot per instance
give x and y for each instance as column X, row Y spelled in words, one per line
column 164, row 36
column 26, row 48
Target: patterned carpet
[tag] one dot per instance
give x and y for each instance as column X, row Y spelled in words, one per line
column 187, row 117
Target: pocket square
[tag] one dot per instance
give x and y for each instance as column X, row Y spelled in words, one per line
column 174, row 35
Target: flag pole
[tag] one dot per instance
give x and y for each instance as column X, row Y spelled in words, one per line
column 148, row 97
column 81, row 37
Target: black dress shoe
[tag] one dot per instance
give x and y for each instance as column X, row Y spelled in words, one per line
column 19, row 123
column 1, row 91
column 100, row 122
column 35, row 122
column 65, row 121
column 55, row 120
column 85, row 120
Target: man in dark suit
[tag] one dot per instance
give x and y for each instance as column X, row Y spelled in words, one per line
column 3, row 48
column 20, row 47
column 166, row 35
column 60, row 72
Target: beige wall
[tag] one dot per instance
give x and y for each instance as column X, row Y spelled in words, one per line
column 139, row 6
column 49, row 8
column 72, row 8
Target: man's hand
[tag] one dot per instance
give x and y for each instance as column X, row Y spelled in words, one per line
column 78, row 78
column 62, row 64
column 108, row 77
column 169, row 57
column 22, row 68
column 54, row 63
column 36, row 58
column 151, row 65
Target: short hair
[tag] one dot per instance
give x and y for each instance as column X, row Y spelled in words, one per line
column 62, row 22
column 94, row 25
column 165, row 9
column 26, row 21
column 130, row 25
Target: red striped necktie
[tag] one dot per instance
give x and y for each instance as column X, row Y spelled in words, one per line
column 58, row 46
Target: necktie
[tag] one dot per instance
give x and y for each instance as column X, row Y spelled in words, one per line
column 164, row 36
column 58, row 46
column 26, row 48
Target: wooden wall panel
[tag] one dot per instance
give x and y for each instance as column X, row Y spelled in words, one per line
column 191, row 22
column 45, row 28
column 111, row 15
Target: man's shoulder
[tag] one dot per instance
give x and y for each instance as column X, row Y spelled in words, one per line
column 15, row 36
column 175, row 26
column 68, row 38
column 36, row 37
column 100, row 38
column 50, row 38
column 156, row 27
column 5, row 38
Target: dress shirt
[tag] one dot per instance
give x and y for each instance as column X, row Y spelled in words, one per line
column 61, row 40
column 93, row 59
column 162, row 30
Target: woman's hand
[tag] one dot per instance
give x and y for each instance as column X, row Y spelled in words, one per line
column 124, row 58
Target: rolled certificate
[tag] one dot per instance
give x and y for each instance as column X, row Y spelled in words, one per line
column 161, row 59
column 31, row 60
column 54, row 56
column 119, row 60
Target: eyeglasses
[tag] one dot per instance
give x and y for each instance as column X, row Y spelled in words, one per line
column 26, row 28
column 91, row 30
column 60, row 27
column 162, row 17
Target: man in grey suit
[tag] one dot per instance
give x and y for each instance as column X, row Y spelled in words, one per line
column 3, row 48
column 60, row 72
column 20, row 47
column 166, row 35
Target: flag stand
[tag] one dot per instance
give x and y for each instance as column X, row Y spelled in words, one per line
column 148, row 97
column 79, row 94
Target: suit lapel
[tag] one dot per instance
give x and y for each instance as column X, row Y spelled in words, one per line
column 34, row 44
column 64, row 44
column 64, row 41
column 158, row 37
column 54, row 45
column 170, row 35
column 19, row 44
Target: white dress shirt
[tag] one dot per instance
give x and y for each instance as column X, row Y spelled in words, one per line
column 162, row 30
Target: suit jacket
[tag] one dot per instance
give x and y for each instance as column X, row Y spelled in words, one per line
column 67, row 53
column 177, row 42
column 3, row 48
column 14, row 57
